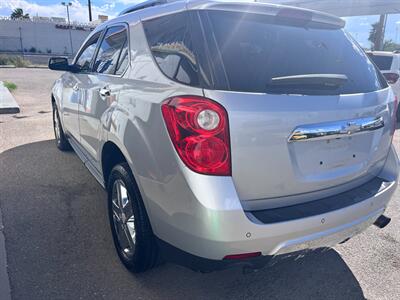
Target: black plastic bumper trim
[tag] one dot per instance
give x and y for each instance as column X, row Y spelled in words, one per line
column 321, row 206
column 177, row 256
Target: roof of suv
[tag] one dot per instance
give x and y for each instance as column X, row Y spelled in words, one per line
column 153, row 8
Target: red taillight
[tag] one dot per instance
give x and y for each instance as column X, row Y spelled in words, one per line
column 198, row 128
column 243, row 255
column 391, row 78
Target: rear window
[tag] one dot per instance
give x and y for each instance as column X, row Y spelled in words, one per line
column 246, row 52
column 382, row 61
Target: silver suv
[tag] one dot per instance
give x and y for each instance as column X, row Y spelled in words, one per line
column 228, row 133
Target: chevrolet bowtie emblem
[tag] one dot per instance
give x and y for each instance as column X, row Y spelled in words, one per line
column 351, row 128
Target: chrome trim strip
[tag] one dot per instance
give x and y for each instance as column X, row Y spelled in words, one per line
column 333, row 130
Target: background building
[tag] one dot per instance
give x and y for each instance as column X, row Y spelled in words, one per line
column 41, row 35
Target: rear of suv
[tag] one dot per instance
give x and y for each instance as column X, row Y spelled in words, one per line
column 228, row 133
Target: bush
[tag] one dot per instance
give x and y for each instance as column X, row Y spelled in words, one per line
column 17, row 61
column 32, row 50
column 11, row 86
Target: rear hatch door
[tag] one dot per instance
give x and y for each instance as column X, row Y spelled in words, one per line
column 307, row 109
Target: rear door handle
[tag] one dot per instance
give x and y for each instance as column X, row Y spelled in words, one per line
column 105, row 92
column 332, row 130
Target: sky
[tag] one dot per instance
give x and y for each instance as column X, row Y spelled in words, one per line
column 358, row 26
column 53, row 8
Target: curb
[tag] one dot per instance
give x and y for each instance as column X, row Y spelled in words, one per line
column 8, row 105
column 27, row 67
column 37, row 67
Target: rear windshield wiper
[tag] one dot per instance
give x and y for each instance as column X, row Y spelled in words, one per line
column 317, row 81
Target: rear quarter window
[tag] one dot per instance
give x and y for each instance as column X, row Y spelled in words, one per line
column 170, row 41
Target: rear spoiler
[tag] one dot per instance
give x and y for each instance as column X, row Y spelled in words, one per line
column 271, row 10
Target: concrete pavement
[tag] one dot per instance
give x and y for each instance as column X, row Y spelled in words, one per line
column 59, row 244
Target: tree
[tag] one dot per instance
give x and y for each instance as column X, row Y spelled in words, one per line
column 18, row 13
column 373, row 34
column 391, row 46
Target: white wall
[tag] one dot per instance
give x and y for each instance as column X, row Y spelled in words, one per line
column 42, row 35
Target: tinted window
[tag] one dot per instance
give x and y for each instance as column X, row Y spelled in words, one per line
column 260, row 49
column 383, row 62
column 123, row 59
column 110, row 50
column 248, row 52
column 86, row 55
column 171, row 44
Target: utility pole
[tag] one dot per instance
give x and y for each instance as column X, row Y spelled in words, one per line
column 90, row 10
column 20, row 40
column 67, row 5
column 380, row 33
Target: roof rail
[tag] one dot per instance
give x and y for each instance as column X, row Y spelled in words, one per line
column 145, row 4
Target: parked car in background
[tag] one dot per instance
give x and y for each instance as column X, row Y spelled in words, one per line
column 389, row 64
column 228, row 133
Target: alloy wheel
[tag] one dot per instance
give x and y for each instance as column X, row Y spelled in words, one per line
column 123, row 218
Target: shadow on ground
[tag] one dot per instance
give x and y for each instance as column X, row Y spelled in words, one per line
column 59, row 245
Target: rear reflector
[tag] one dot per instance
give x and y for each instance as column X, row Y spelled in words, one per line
column 242, row 255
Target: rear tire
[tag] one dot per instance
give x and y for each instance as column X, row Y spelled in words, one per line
column 130, row 226
column 61, row 140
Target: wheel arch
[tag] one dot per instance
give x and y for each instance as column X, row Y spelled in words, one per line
column 111, row 155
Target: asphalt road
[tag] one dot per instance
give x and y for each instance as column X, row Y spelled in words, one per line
column 59, row 244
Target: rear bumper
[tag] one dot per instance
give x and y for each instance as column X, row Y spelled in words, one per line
column 311, row 242
column 211, row 223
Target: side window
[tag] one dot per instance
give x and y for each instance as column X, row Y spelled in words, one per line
column 170, row 41
column 110, row 50
column 86, row 55
column 123, row 59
